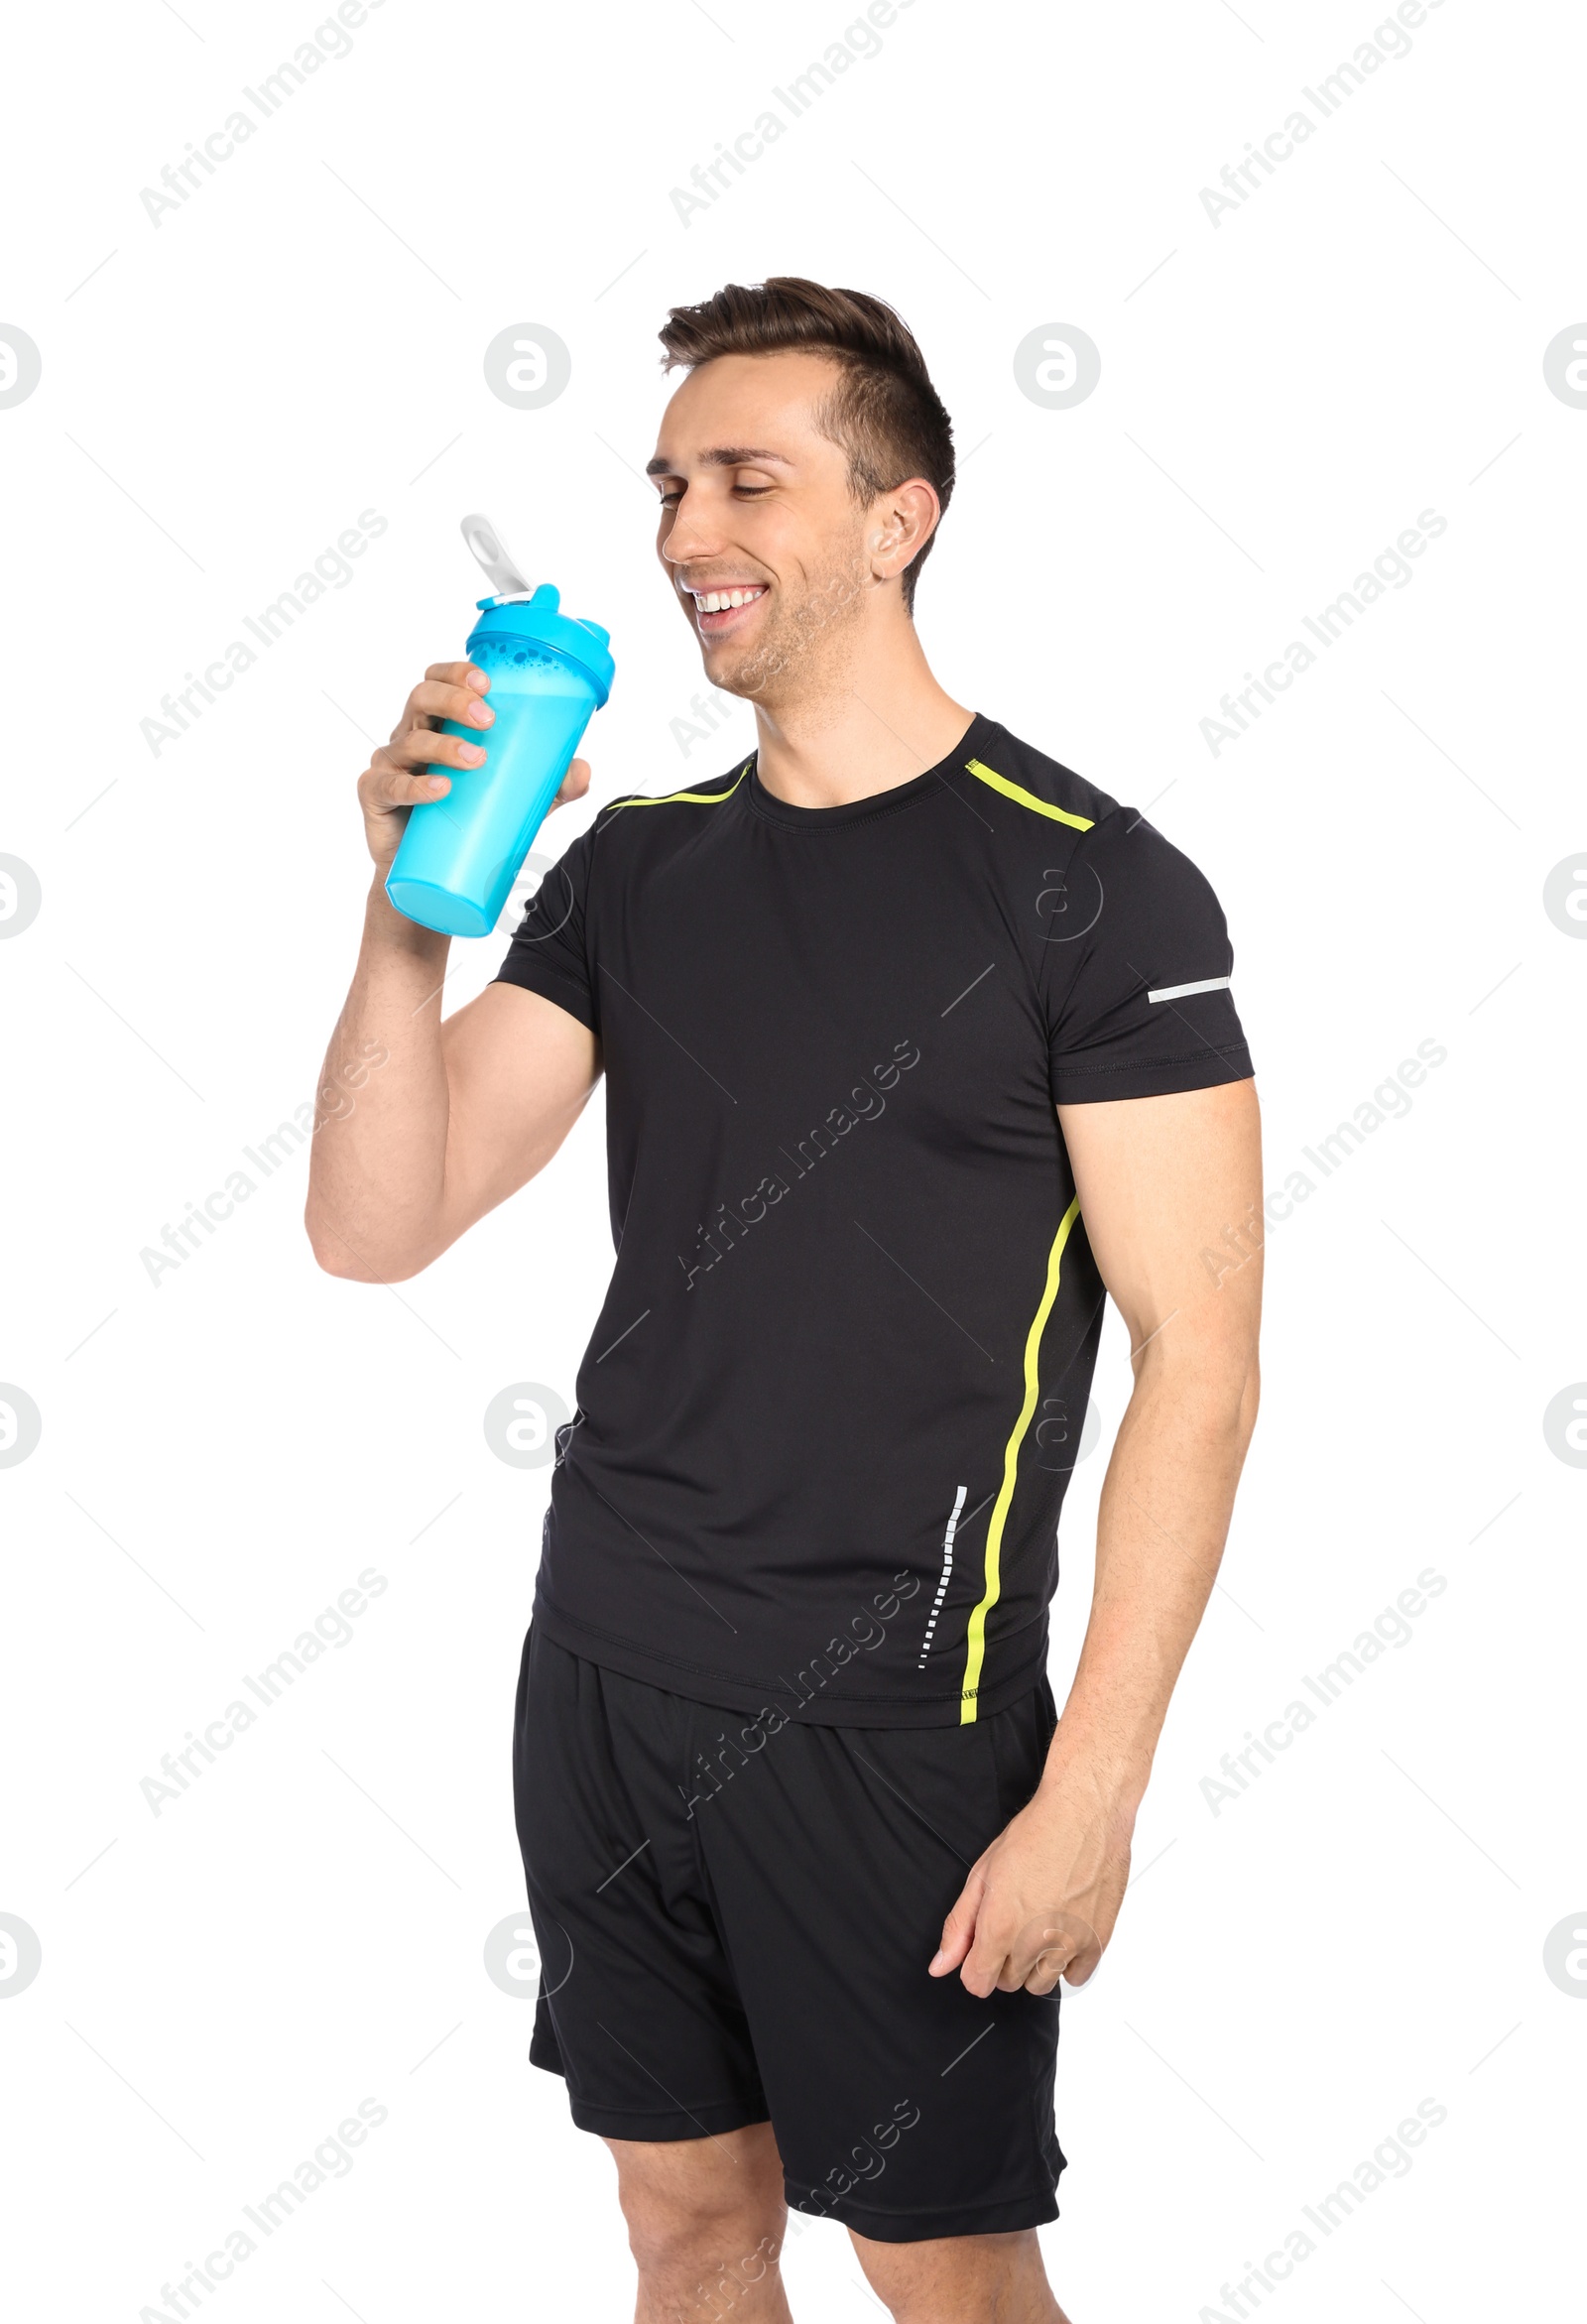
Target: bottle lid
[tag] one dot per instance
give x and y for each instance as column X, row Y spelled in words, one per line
column 539, row 618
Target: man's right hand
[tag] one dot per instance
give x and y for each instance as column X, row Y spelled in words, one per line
column 459, row 1113
column 411, row 767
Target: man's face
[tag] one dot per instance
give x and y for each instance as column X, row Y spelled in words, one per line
column 756, row 505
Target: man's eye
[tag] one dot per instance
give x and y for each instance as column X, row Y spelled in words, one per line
column 753, row 491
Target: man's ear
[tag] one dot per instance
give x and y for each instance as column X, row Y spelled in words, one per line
column 909, row 520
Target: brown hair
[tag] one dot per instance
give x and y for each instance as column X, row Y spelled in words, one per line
column 884, row 411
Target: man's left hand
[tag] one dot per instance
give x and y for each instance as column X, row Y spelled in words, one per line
column 1042, row 1901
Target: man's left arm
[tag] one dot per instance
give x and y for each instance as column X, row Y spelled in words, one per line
column 1161, row 1181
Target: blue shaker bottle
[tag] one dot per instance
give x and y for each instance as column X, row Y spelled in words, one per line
column 549, row 674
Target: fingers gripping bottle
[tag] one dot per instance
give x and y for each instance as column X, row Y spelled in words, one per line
column 549, row 674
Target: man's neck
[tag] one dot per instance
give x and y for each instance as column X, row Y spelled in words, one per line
column 869, row 727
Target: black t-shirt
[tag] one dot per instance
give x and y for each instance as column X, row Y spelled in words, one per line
column 832, row 1401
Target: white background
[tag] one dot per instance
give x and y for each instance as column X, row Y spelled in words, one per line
column 1282, row 393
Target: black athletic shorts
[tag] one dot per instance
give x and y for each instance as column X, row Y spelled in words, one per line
column 734, row 1920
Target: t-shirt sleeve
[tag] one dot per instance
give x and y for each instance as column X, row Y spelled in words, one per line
column 1137, row 966
column 549, row 950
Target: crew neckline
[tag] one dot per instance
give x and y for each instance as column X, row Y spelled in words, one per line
column 772, row 809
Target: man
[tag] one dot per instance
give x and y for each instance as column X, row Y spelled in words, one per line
column 917, row 1047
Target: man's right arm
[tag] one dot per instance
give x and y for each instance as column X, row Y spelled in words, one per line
column 423, row 1123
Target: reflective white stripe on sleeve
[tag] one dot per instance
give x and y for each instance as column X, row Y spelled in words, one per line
column 1208, row 984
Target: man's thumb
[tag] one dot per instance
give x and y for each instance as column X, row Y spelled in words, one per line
column 958, row 1930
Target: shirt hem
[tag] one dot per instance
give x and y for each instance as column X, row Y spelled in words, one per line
column 563, row 992
column 1207, row 1068
column 720, row 1690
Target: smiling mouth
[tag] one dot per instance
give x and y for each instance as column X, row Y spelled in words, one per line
column 718, row 610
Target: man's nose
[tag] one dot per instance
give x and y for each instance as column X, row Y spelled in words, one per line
column 694, row 535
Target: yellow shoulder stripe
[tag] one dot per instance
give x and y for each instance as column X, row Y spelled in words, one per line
column 701, row 799
column 1010, row 1460
column 1027, row 798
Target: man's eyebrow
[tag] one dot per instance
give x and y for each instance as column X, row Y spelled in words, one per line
column 729, row 455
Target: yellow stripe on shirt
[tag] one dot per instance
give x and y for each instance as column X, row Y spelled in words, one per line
column 1027, row 798
column 701, row 799
column 976, row 1649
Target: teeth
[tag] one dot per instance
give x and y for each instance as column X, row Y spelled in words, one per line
column 720, row 601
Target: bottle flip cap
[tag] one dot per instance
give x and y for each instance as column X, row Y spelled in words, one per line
column 494, row 558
